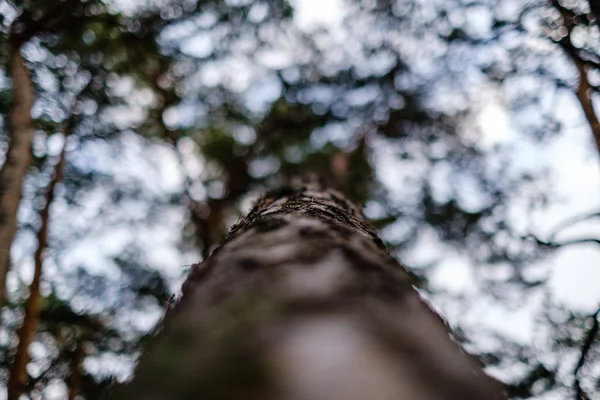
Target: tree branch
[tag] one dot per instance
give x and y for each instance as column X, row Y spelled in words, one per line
column 580, row 394
column 553, row 244
column 584, row 88
column 575, row 220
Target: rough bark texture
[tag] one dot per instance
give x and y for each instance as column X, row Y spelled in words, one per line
column 303, row 302
column 18, row 159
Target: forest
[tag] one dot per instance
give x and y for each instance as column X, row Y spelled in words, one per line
column 137, row 133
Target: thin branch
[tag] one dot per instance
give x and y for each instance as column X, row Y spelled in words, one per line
column 587, row 345
column 553, row 244
column 575, row 220
column 584, row 88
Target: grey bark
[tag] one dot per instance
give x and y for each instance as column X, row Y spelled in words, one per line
column 303, row 302
column 18, row 158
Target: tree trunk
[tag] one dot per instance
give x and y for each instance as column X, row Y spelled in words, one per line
column 74, row 380
column 303, row 302
column 18, row 374
column 18, row 158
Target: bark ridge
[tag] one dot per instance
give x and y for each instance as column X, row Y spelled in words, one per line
column 302, row 301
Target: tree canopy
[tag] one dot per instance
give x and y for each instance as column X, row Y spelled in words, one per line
column 467, row 129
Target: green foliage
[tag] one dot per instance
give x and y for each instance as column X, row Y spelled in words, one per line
column 396, row 90
column 218, row 146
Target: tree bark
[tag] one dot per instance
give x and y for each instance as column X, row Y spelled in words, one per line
column 18, row 374
column 18, row 159
column 302, row 302
column 584, row 93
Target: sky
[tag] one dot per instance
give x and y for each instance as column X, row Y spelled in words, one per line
column 309, row 14
column 573, row 161
column 571, row 158
column 575, row 271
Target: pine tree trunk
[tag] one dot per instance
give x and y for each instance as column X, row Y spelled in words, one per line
column 18, row 377
column 303, row 302
column 18, row 158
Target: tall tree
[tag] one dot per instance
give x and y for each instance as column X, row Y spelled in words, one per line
column 18, row 376
column 302, row 301
column 18, row 156
column 391, row 89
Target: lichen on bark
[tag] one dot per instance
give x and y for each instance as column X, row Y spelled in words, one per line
column 302, row 301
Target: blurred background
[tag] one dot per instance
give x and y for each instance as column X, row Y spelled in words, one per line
column 467, row 129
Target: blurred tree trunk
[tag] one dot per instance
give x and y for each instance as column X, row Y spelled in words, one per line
column 18, row 158
column 18, row 374
column 584, row 95
column 74, row 380
column 584, row 90
column 302, row 301
column 208, row 216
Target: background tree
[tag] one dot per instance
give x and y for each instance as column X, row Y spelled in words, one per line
column 187, row 111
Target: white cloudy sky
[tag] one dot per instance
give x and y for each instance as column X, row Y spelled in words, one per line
column 576, row 181
column 575, row 270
